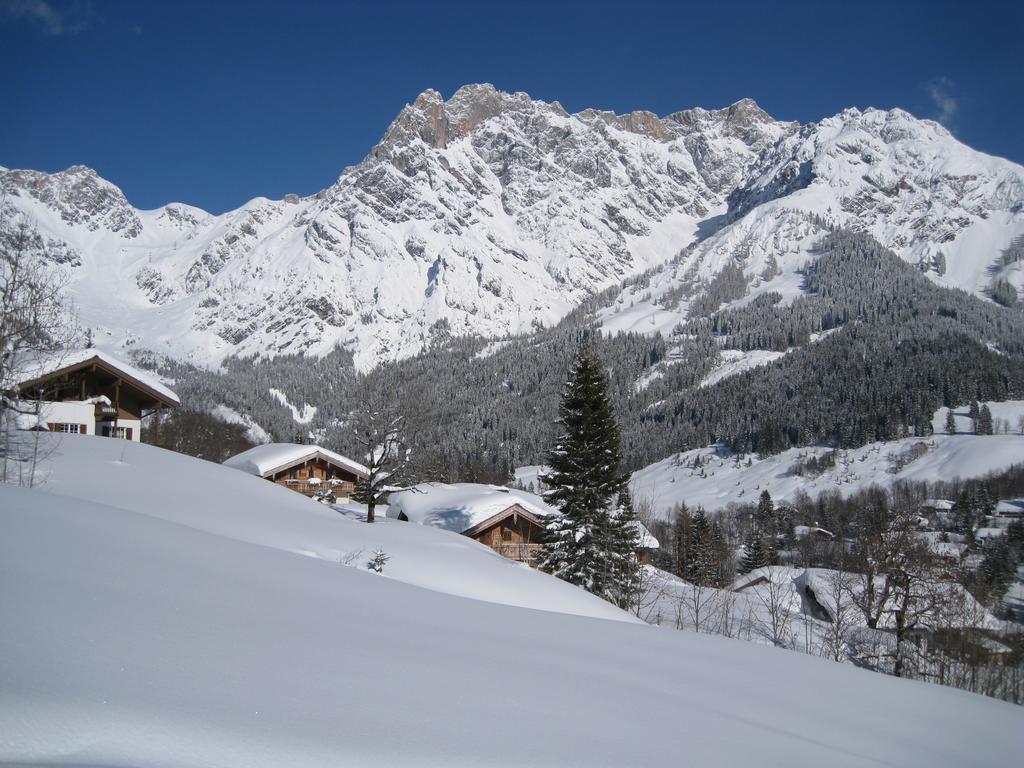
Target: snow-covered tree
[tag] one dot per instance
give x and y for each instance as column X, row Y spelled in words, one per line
column 950, row 422
column 755, row 554
column 765, row 516
column 624, row 538
column 380, row 432
column 585, row 544
column 984, row 421
column 975, row 414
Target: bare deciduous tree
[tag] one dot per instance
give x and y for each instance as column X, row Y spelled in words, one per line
column 842, row 614
column 34, row 320
column 775, row 596
column 380, row 431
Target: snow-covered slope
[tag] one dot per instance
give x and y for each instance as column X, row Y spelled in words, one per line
column 138, row 478
column 491, row 212
column 713, row 478
column 134, row 634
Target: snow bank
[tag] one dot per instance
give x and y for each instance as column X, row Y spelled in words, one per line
column 133, row 640
column 253, row 431
column 234, row 505
column 302, row 415
column 735, row 361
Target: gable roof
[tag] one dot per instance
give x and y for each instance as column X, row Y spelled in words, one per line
column 645, row 539
column 267, row 459
column 46, row 367
column 461, row 507
column 942, row 505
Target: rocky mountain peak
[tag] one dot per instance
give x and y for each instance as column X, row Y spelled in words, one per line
column 490, row 211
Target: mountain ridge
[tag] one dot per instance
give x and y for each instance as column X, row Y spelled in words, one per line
column 492, row 213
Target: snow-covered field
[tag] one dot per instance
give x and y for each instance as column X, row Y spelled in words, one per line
column 159, row 610
column 735, row 361
column 713, row 478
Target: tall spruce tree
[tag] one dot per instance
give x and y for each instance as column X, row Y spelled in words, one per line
column 984, row 421
column 950, row 422
column 765, row 517
column 586, row 545
column 975, row 414
column 755, row 554
column 624, row 538
column 703, row 567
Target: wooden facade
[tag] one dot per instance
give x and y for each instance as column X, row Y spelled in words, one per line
column 131, row 400
column 515, row 533
column 314, row 475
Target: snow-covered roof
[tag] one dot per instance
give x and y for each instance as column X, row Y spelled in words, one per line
column 803, row 531
column 51, row 363
column 989, row 533
column 957, row 608
column 461, row 506
column 943, row 505
column 1010, row 507
column 646, row 538
column 274, row 457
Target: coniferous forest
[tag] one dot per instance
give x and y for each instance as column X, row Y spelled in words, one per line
column 891, row 348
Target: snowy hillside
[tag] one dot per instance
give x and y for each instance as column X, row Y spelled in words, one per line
column 158, row 610
column 491, row 212
column 713, row 478
column 236, row 505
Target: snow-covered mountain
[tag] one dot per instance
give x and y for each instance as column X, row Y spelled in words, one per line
column 491, row 212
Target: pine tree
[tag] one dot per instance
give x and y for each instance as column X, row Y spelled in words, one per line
column 984, row 421
column 755, row 554
column 765, row 516
column 624, row 538
column 583, row 544
column 965, row 515
column 703, row 567
column 682, row 539
column 950, row 422
column 975, row 414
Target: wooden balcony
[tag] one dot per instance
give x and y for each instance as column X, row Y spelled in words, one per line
column 339, row 487
column 523, row 553
column 105, row 412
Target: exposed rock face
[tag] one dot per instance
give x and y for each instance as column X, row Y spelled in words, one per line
column 491, row 212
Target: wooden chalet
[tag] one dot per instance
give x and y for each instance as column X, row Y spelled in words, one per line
column 509, row 521
column 307, row 469
column 515, row 533
column 88, row 392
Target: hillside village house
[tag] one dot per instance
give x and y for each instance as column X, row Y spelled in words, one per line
column 509, row 521
column 307, row 469
column 89, row 392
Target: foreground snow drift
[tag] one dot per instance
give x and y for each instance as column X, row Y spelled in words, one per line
column 233, row 504
column 128, row 639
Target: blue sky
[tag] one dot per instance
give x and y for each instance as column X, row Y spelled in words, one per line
column 215, row 103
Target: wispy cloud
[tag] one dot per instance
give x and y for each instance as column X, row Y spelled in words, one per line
column 941, row 92
column 50, row 19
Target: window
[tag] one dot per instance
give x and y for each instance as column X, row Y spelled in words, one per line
column 123, row 433
column 67, row 429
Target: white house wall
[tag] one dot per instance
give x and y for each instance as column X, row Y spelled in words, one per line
column 69, row 413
